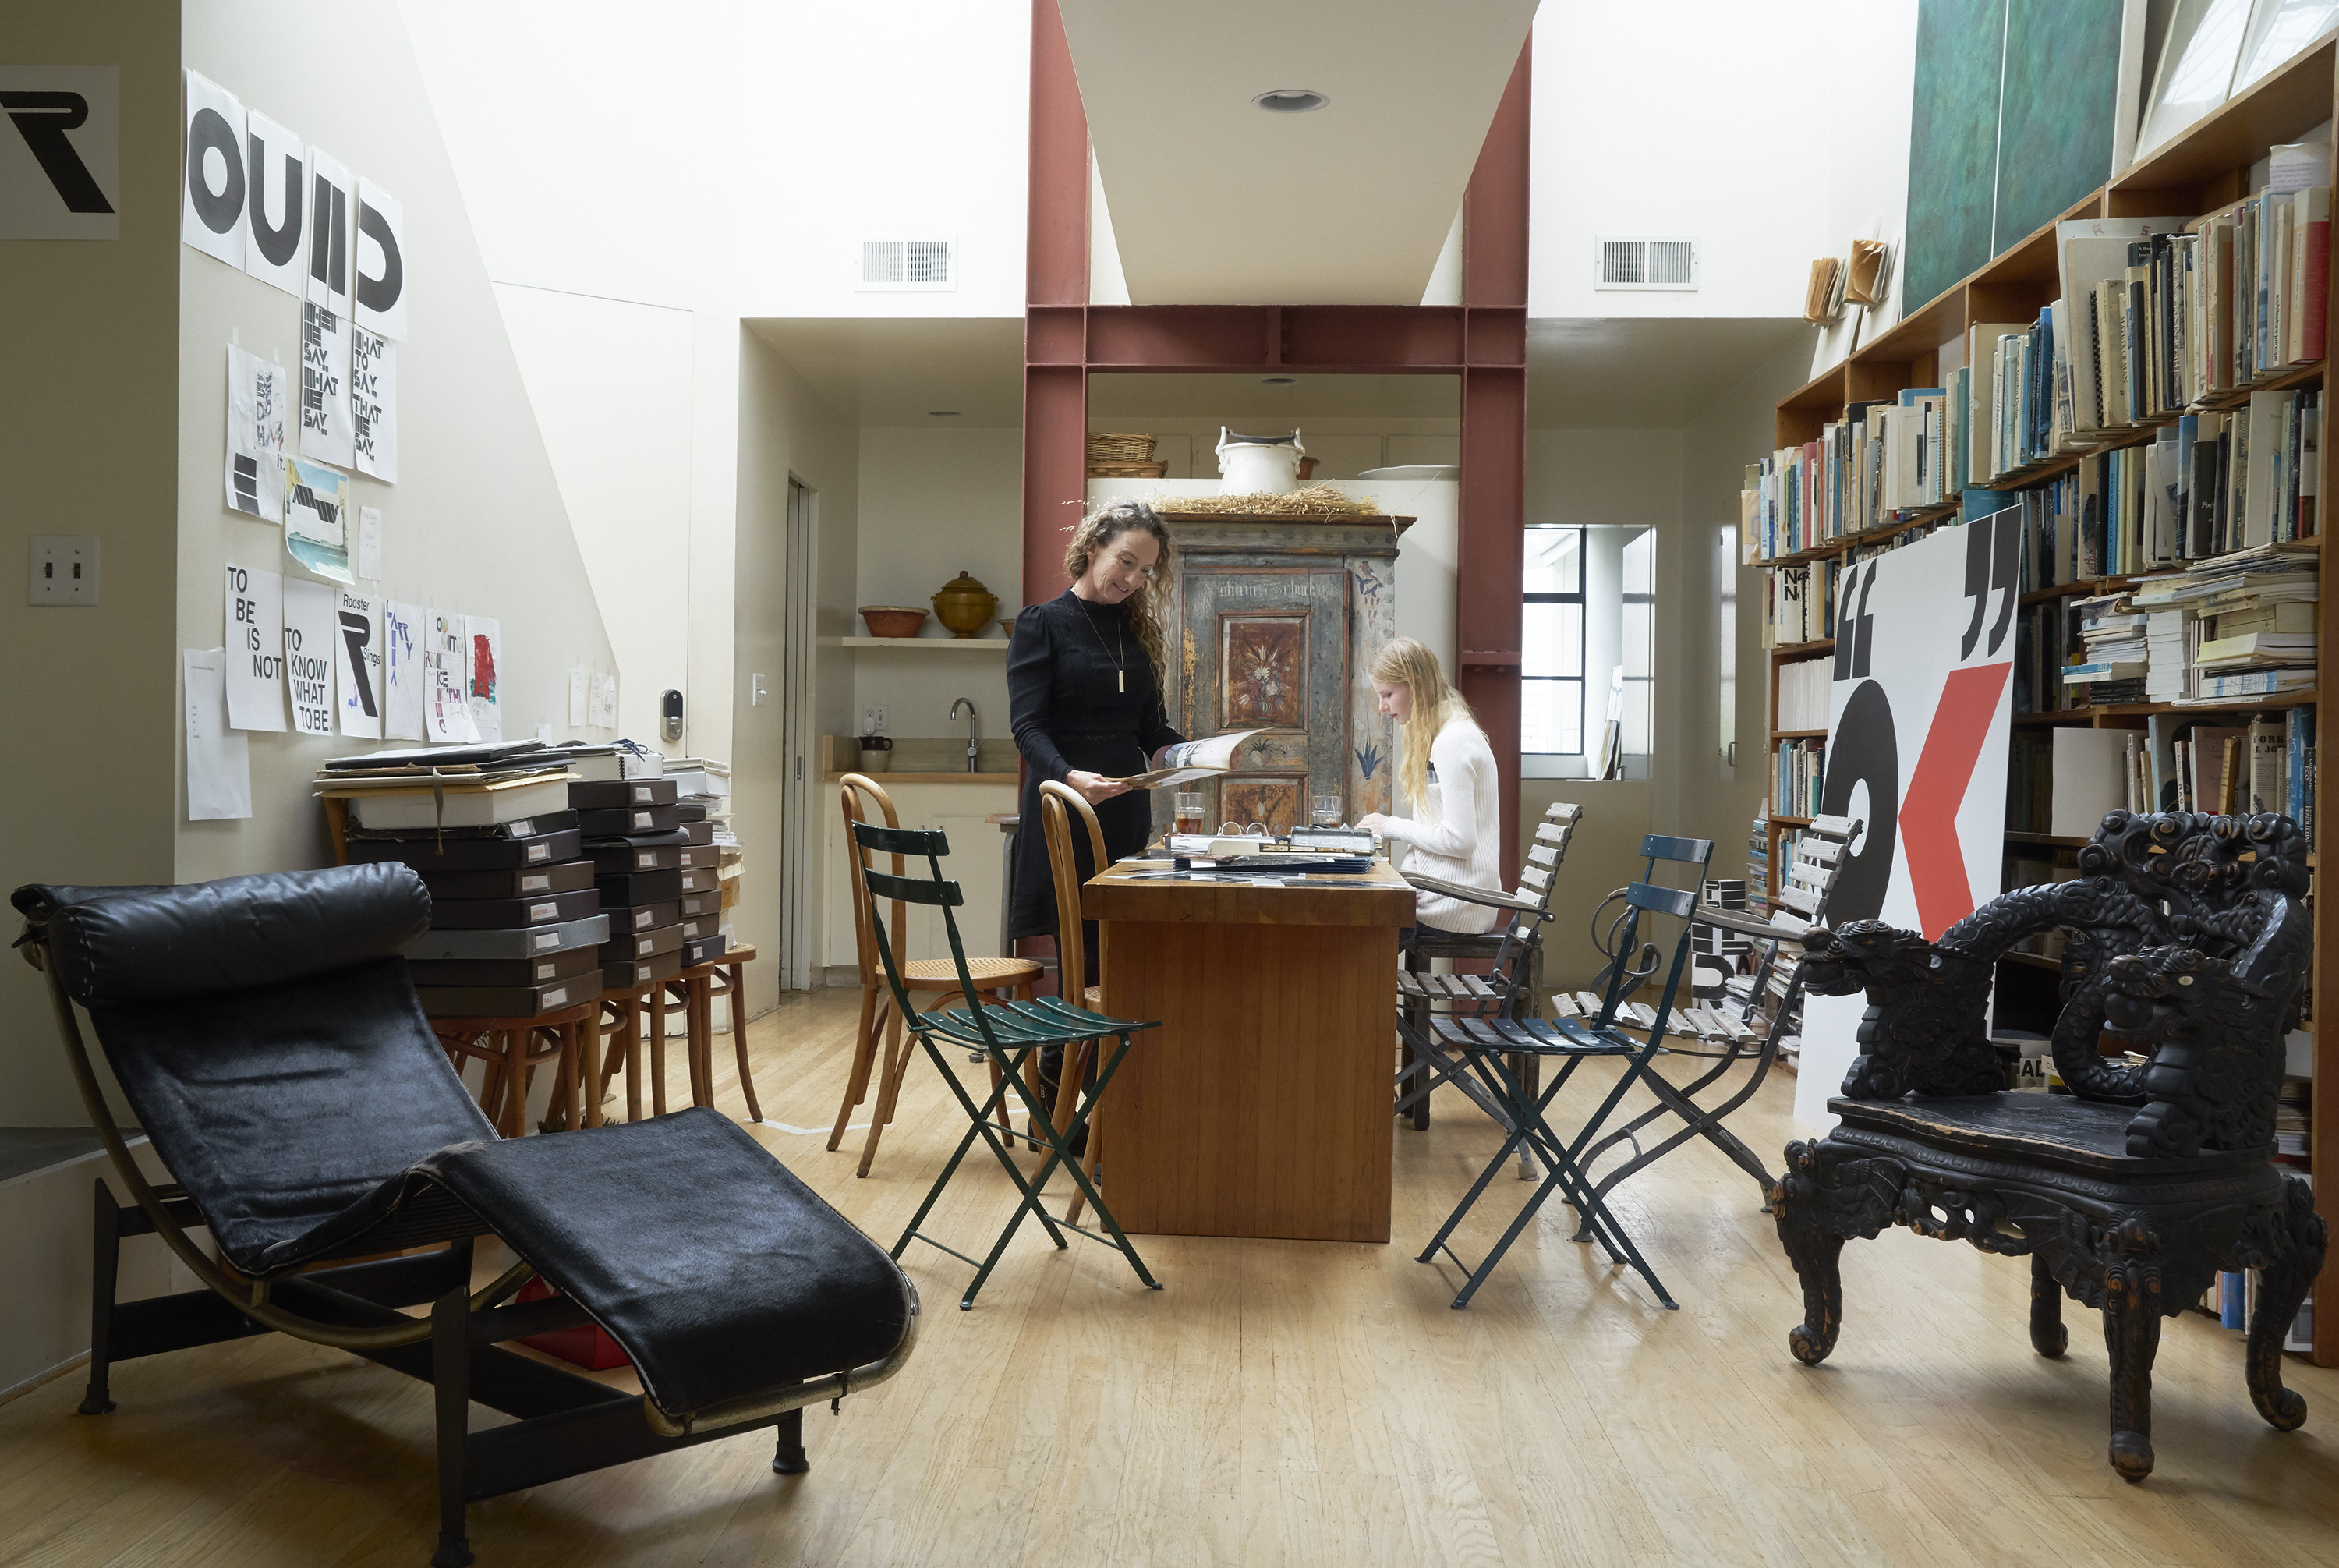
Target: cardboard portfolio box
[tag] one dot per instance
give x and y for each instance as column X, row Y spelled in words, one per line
column 430, row 855
column 703, row 950
column 640, row 887
column 649, row 971
column 622, row 856
column 626, row 919
column 642, row 944
column 608, row 794
column 525, row 941
column 617, row 822
column 504, row 971
column 508, row 1000
column 483, row 914
column 696, row 878
column 520, row 882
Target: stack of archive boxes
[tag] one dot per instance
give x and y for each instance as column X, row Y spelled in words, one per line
column 628, row 821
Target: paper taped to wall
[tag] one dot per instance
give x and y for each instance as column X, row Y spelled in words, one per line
column 373, row 404
column 402, row 675
column 255, row 649
column 445, row 710
column 358, row 671
column 483, row 657
column 258, row 396
column 370, row 543
column 218, row 760
column 325, row 386
column 312, row 625
column 316, row 518
column 577, row 674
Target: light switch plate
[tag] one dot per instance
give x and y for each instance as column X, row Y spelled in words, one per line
column 64, row 570
column 756, row 691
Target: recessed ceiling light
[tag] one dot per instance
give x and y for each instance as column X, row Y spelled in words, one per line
column 1278, row 381
column 1290, row 101
column 941, row 413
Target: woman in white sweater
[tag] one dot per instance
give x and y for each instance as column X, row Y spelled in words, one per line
column 1446, row 774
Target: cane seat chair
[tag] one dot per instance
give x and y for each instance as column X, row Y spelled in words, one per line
column 1059, row 804
column 265, row 1033
column 878, row 1042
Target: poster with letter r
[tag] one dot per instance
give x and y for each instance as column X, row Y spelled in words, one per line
column 1917, row 717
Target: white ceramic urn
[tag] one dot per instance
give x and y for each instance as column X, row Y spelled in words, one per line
column 1252, row 465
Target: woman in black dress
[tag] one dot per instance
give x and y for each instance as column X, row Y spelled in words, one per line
column 1085, row 674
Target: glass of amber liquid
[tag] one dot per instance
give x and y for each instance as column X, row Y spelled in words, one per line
column 1186, row 811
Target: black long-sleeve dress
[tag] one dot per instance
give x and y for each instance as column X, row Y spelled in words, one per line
column 1081, row 693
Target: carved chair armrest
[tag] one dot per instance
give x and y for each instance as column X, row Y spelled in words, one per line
column 1923, row 1031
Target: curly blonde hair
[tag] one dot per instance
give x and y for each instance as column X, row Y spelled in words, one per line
column 1148, row 606
column 1405, row 662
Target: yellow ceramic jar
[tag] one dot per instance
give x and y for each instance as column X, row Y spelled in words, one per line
column 965, row 606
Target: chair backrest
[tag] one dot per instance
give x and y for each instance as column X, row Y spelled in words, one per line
column 266, row 1035
column 1647, row 898
column 1805, row 885
column 932, row 890
column 1057, row 803
column 851, row 790
column 1537, row 879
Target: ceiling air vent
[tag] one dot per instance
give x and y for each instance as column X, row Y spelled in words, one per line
column 1646, row 263
column 909, row 264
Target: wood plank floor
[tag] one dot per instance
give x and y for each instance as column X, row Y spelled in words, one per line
column 1279, row 1403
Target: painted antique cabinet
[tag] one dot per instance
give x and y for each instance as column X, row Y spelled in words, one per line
column 1278, row 621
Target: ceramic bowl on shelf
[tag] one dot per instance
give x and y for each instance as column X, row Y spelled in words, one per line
column 893, row 621
column 1007, row 626
column 965, row 606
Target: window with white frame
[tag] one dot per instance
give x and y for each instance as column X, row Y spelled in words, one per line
column 1588, row 650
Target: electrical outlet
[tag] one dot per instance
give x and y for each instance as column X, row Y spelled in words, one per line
column 64, row 570
column 872, row 721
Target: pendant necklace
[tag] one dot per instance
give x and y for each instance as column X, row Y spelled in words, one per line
column 1119, row 670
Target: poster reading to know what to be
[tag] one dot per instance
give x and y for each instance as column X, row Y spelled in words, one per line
column 373, row 404
column 1919, row 712
column 484, row 648
column 359, row 668
column 402, row 675
column 312, row 627
column 255, row 649
column 325, row 386
column 258, row 404
column 445, row 707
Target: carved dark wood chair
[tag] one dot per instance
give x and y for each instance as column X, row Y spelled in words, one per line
column 2187, row 942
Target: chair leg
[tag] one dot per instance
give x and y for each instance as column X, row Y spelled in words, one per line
column 864, row 1052
column 895, row 1049
column 587, row 1035
column 658, row 1049
column 2047, row 1334
column 788, row 1454
column 105, row 1251
column 633, row 1062
column 738, row 1039
column 2132, row 1336
column 2282, row 1287
column 512, row 1105
column 1799, row 1212
column 451, row 1377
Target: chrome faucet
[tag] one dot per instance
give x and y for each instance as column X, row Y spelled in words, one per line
column 974, row 729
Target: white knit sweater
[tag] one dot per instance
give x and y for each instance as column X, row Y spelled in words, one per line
column 1456, row 834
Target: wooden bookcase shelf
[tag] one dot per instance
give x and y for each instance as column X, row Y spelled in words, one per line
column 2206, row 168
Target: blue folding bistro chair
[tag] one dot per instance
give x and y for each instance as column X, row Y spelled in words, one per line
column 1007, row 1033
column 1483, row 1044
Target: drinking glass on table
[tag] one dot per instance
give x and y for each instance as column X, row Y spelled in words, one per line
column 1186, row 811
column 1327, row 811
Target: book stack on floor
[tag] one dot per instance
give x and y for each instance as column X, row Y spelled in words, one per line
column 516, row 922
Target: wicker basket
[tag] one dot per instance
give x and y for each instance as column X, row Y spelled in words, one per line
column 1122, row 448
column 1098, row 470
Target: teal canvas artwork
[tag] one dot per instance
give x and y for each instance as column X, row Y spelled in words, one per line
column 2062, row 95
column 1952, row 143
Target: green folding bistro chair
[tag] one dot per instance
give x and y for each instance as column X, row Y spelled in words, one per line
column 1484, row 1044
column 1007, row 1033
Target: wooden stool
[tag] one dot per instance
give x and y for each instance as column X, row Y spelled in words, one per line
column 690, row 988
column 725, row 979
column 513, row 1048
column 621, row 1044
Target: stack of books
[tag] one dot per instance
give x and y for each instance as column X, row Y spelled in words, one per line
column 515, row 925
column 1801, row 769
column 2240, row 625
column 712, row 859
column 1758, row 865
column 2112, row 651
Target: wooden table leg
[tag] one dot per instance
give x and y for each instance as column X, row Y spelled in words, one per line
column 588, row 1041
column 657, row 1049
column 733, row 1007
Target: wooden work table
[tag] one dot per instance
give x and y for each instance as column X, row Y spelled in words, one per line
column 1261, row 1105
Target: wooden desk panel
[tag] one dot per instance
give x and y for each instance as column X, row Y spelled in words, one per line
column 1261, row 1106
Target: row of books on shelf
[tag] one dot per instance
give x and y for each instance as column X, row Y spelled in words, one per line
column 1883, row 458
column 2061, row 781
column 1799, row 601
column 1803, row 693
column 2237, row 626
column 2155, row 316
column 1798, row 775
column 1758, row 863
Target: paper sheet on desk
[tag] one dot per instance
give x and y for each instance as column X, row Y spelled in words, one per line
column 218, row 760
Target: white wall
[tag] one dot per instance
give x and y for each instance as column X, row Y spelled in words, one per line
column 475, row 523
column 1870, row 54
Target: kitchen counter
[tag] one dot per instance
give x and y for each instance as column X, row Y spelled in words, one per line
column 958, row 778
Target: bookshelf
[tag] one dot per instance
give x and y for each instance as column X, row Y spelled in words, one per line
column 2205, row 169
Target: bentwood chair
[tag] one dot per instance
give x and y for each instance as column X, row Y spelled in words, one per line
column 1488, row 1046
column 1058, row 804
column 877, row 1040
column 1011, row 1034
column 1814, row 864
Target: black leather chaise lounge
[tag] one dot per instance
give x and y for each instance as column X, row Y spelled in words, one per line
column 266, row 1035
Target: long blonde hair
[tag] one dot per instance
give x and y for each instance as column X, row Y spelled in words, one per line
column 1146, row 615
column 1405, row 662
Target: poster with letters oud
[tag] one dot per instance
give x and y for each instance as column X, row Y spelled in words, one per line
column 1918, row 718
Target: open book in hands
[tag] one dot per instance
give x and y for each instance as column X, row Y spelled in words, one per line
column 1190, row 760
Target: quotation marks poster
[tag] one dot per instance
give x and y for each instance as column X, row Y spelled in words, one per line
column 255, row 649
column 402, row 673
column 1915, row 751
column 258, row 404
column 312, row 625
column 360, row 669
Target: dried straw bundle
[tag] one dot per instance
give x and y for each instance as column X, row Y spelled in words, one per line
column 1317, row 500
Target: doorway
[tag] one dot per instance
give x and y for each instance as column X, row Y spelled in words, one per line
column 801, row 772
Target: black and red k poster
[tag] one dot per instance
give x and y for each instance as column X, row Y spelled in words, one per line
column 1918, row 718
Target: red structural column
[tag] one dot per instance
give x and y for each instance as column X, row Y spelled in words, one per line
column 1056, row 296
column 1490, row 552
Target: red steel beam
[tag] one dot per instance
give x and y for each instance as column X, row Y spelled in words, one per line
column 1490, row 551
column 1056, row 293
